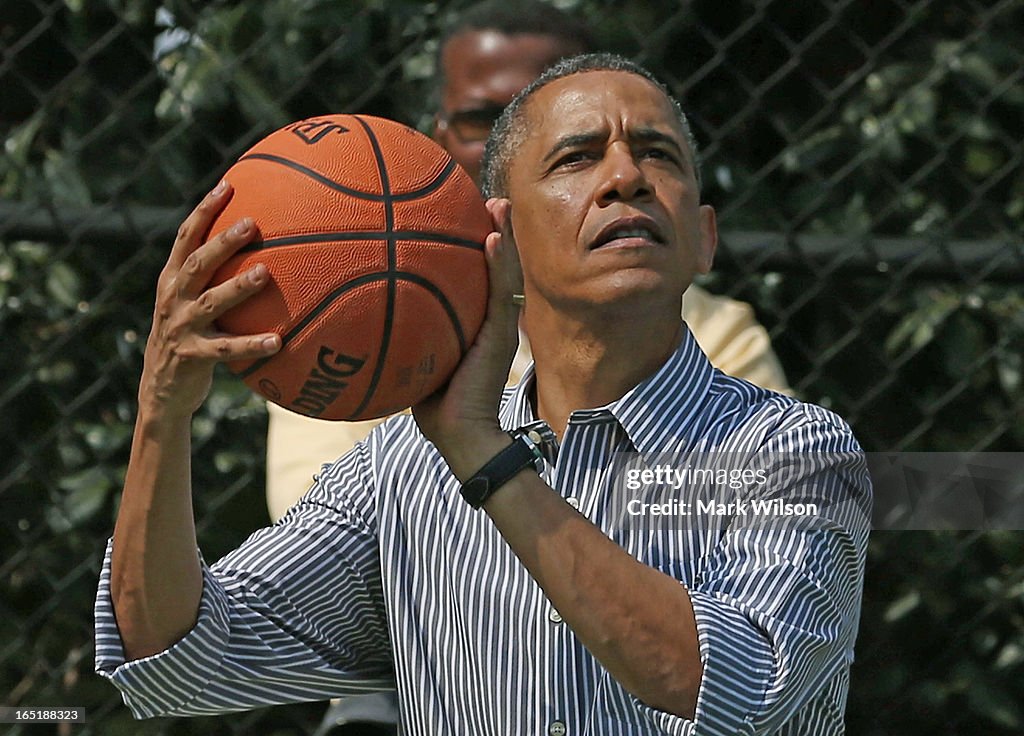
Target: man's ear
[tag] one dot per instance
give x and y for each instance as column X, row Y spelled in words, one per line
column 708, row 238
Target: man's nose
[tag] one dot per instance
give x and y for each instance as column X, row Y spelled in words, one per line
column 622, row 178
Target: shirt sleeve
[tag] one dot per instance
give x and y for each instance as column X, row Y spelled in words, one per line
column 777, row 603
column 296, row 613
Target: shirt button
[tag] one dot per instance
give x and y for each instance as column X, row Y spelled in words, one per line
column 573, row 501
column 557, row 728
column 556, row 618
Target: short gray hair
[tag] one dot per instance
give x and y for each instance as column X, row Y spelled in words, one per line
column 510, row 129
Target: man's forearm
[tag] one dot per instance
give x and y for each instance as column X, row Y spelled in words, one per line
column 156, row 578
column 637, row 621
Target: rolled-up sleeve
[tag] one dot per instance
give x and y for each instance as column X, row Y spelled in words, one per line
column 296, row 613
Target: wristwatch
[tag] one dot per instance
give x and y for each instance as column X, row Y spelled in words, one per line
column 522, row 453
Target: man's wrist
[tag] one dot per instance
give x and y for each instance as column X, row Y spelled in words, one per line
column 469, row 452
column 521, row 453
column 157, row 420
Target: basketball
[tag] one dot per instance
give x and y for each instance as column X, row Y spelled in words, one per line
column 373, row 237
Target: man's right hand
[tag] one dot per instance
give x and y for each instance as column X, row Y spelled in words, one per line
column 184, row 344
column 156, row 580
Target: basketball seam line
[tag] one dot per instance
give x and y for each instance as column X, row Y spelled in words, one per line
column 302, row 324
column 422, row 235
column 389, row 228
column 428, row 188
column 404, row 276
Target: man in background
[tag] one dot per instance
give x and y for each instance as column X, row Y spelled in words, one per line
column 485, row 58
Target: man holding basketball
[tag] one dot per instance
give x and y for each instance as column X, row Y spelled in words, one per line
column 545, row 609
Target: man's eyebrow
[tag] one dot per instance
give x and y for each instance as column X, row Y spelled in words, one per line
column 640, row 135
column 652, row 135
column 571, row 141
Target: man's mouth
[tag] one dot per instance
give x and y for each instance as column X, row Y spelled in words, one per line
column 630, row 231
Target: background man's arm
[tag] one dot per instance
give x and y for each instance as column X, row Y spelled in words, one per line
column 297, row 447
column 728, row 332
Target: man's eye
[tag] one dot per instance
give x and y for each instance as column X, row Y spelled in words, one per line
column 572, row 158
column 659, row 154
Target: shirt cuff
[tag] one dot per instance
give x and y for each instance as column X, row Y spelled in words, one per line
column 738, row 668
column 164, row 682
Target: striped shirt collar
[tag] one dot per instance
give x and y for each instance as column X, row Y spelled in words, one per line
column 661, row 406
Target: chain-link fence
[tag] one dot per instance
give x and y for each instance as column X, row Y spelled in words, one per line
column 867, row 167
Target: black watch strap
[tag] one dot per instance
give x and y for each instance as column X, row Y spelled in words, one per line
column 521, row 454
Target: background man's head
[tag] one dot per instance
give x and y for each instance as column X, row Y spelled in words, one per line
column 493, row 51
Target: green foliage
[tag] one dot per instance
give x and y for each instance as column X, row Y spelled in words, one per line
column 814, row 118
column 942, row 635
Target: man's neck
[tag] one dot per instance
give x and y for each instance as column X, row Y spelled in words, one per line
column 586, row 364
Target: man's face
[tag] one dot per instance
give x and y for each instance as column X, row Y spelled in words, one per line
column 605, row 201
column 483, row 71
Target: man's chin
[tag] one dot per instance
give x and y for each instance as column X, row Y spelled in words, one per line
column 634, row 293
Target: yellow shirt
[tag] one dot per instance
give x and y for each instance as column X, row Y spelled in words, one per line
column 726, row 330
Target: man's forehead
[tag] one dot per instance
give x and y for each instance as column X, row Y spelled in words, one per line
column 590, row 98
column 477, row 53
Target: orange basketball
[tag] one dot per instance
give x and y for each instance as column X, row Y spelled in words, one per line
column 373, row 237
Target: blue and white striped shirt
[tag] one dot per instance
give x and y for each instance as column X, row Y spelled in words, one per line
column 382, row 576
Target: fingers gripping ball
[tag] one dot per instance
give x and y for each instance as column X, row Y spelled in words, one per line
column 373, row 237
